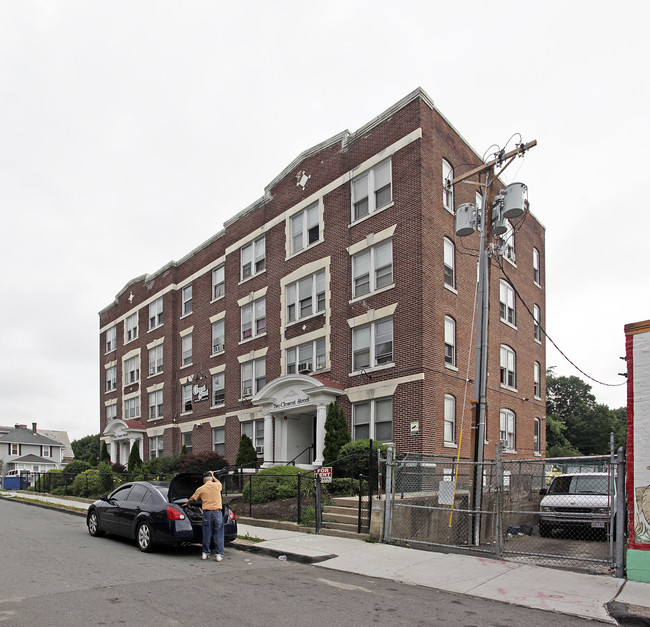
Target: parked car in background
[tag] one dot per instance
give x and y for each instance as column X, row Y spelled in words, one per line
column 152, row 512
column 582, row 501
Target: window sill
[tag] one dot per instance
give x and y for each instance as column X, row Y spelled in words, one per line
column 218, row 298
column 220, row 406
column 302, row 250
column 154, row 419
column 370, row 215
column 366, row 371
column 189, row 313
column 155, row 328
column 451, row 289
column 155, row 374
column 509, row 451
column 507, row 387
column 536, row 284
column 250, row 339
column 509, row 324
column 449, row 209
column 293, row 323
column 187, row 413
column 381, row 290
column 218, row 353
column 252, row 276
column 538, row 341
column 450, row 445
column 186, row 366
column 451, row 367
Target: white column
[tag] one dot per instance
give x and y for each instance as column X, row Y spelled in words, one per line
column 112, row 449
column 268, row 441
column 321, row 414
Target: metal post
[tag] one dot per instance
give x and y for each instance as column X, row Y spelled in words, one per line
column 299, row 498
column 318, row 494
column 620, row 514
column 361, row 477
column 388, row 511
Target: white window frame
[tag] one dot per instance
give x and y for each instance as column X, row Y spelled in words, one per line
column 111, row 412
column 15, row 449
column 186, row 300
column 155, row 360
column 371, row 187
column 253, row 258
column 111, row 378
column 47, row 451
column 373, row 267
column 508, row 367
column 219, row 385
column 537, row 436
column 219, row 440
column 254, row 429
column 218, row 336
column 155, row 313
column 507, row 311
column 253, row 376
column 366, row 414
column 507, row 243
column 449, row 263
column 310, row 355
column 156, row 446
column 219, row 282
column 131, row 408
column 450, row 342
column 131, row 370
column 312, row 288
column 447, row 187
column 186, row 350
column 131, row 328
column 111, row 339
column 187, row 404
column 365, row 339
column 156, row 404
column 537, row 380
column 507, row 429
column 536, row 268
column 305, row 229
column 537, row 329
column 186, row 441
column 449, row 432
column 253, row 319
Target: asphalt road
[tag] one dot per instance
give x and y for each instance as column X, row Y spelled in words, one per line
column 54, row 573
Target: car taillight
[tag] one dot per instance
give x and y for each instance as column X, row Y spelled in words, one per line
column 174, row 514
column 231, row 514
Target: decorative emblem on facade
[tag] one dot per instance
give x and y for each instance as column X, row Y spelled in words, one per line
column 201, row 392
column 301, row 179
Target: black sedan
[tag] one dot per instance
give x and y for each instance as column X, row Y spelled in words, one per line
column 153, row 512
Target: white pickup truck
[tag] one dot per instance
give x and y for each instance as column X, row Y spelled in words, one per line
column 577, row 501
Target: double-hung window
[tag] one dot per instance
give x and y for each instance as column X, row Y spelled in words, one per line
column 253, row 319
column 450, row 341
column 186, row 441
column 508, row 373
column 254, row 429
column 507, row 242
column 131, row 327
column 306, row 297
column 373, row 420
column 447, row 188
column 111, row 412
column 450, row 419
column 307, row 357
column 372, row 190
column 506, row 302
column 132, row 407
column 155, row 404
column 305, row 228
column 218, row 282
column 253, row 258
column 156, row 446
column 111, row 378
column 186, row 350
column 507, row 429
column 218, row 389
column 155, row 313
column 536, row 270
column 219, row 440
column 537, row 330
column 372, row 269
column 111, row 339
column 536, row 436
column 449, row 263
column 155, row 360
column 537, row 380
column 186, row 297
column 186, row 397
column 218, row 336
column 132, row 370
column 372, row 344
column 253, row 376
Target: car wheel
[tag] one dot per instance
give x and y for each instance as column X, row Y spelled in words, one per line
column 93, row 525
column 545, row 530
column 144, row 537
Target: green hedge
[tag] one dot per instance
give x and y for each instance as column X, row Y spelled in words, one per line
column 279, row 482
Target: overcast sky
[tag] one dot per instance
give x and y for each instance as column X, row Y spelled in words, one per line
column 129, row 131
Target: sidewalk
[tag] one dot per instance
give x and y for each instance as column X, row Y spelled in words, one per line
column 537, row 587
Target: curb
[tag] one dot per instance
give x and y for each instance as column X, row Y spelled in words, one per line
column 292, row 557
column 620, row 612
column 43, row 504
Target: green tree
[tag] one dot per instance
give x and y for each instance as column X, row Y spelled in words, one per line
column 86, row 448
column 104, row 455
column 200, row 462
column 557, row 444
column 135, row 461
column 246, row 455
column 337, row 433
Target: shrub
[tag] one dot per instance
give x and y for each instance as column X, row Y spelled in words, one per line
column 134, row 458
column 75, row 467
column 200, row 462
column 353, row 458
column 160, row 466
column 94, row 482
column 337, row 433
column 53, row 479
column 246, row 455
column 279, row 482
column 104, row 456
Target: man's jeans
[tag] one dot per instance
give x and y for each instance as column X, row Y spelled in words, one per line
column 213, row 530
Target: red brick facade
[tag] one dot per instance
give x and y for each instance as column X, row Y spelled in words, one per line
column 416, row 138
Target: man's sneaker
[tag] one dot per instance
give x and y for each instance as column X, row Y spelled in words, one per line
column 204, row 556
column 218, row 558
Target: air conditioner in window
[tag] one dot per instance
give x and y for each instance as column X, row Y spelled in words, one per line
column 247, row 392
column 304, row 367
column 259, row 450
column 217, row 348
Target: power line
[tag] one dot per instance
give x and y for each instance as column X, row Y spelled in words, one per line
column 500, row 264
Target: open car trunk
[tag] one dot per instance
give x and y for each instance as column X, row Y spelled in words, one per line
column 181, row 488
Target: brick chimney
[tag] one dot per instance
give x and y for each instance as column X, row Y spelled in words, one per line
column 33, row 427
column 20, row 426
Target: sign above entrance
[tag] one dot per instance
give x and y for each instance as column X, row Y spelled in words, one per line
column 289, row 403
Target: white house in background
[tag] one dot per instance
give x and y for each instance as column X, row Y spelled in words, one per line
column 26, row 449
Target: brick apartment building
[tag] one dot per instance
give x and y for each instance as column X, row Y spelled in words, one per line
column 345, row 281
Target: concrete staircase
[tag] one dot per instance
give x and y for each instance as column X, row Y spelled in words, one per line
column 341, row 518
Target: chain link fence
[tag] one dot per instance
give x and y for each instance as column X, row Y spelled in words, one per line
column 554, row 512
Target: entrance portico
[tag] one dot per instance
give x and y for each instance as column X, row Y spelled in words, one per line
column 294, row 409
column 120, row 435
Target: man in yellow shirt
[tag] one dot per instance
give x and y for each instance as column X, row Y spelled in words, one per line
column 210, row 495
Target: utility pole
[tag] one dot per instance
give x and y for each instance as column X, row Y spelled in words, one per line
column 480, row 367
